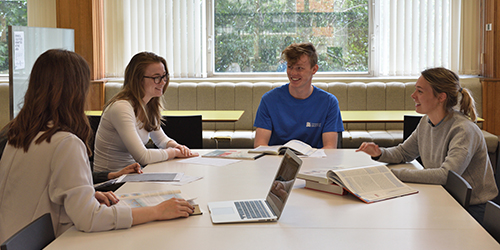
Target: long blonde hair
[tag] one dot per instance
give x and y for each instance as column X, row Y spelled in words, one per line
column 443, row 80
column 133, row 90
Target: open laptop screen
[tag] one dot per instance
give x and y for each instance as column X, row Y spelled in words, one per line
column 283, row 182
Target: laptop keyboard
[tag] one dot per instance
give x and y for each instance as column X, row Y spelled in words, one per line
column 251, row 209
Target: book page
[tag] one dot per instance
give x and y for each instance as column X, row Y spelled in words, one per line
column 150, row 177
column 209, row 161
column 299, row 146
column 147, row 199
column 265, row 149
column 371, row 183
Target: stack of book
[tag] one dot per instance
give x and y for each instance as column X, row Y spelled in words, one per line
column 317, row 180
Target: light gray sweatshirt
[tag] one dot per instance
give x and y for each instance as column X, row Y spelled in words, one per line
column 455, row 144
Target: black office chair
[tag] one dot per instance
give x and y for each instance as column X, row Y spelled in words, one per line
column 410, row 123
column 94, row 121
column 491, row 221
column 459, row 188
column 339, row 139
column 35, row 236
column 185, row 130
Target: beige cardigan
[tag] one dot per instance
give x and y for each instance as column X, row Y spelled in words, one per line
column 53, row 177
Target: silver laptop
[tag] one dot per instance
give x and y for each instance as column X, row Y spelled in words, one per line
column 268, row 209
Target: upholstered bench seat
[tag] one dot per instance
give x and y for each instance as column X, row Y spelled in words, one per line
column 208, row 94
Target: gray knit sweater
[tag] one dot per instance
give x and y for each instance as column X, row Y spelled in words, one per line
column 455, row 144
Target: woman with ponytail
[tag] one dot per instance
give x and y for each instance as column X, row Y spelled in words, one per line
column 447, row 138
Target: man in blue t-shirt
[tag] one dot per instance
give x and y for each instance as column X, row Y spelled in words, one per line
column 298, row 110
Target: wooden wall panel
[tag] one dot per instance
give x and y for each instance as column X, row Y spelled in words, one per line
column 491, row 108
column 86, row 18
column 491, row 66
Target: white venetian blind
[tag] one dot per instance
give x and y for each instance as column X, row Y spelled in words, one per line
column 172, row 29
column 417, row 34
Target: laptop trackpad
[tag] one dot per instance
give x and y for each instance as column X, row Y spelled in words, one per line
column 222, row 210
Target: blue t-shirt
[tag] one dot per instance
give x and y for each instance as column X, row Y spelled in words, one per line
column 306, row 120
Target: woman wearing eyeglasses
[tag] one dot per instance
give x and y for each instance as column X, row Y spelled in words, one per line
column 133, row 116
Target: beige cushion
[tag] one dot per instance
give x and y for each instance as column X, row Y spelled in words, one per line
column 371, row 95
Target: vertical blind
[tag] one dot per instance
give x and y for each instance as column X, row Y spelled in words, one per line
column 412, row 35
column 172, row 29
column 408, row 35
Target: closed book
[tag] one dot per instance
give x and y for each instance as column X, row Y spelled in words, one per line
column 232, row 154
column 325, row 187
column 316, row 175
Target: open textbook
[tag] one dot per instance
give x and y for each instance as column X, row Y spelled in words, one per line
column 298, row 147
column 370, row 183
column 147, row 199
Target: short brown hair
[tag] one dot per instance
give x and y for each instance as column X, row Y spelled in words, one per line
column 294, row 51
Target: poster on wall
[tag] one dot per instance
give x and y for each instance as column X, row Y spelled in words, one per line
column 18, row 50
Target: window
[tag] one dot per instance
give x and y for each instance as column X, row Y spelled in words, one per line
column 250, row 35
column 203, row 38
column 12, row 13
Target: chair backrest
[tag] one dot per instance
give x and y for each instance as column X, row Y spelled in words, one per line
column 36, row 235
column 410, row 123
column 94, row 121
column 491, row 221
column 459, row 188
column 339, row 139
column 3, row 143
column 185, row 130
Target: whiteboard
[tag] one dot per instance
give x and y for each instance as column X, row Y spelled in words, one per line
column 25, row 45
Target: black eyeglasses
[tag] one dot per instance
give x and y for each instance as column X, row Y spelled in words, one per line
column 158, row 79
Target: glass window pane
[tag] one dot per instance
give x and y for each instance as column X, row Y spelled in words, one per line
column 11, row 13
column 250, row 35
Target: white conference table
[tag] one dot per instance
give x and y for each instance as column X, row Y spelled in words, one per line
column 431, row 219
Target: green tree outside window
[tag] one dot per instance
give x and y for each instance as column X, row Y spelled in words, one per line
column 12, row 13
column 250, row 34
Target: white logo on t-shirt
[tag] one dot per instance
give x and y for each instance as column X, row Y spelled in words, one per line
column 313, row 124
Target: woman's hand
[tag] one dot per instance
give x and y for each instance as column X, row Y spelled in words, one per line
column 170, row 209
column 107, row 198
column 370, row 148
column 174, row 208
column 185, row 151
column 132, row 168
column 180, row 151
